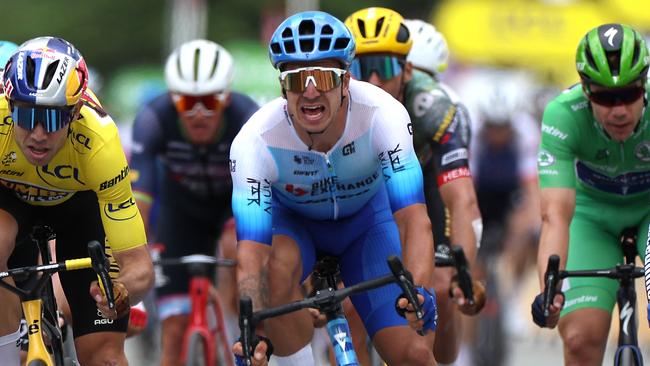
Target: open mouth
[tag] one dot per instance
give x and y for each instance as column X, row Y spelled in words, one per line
column 38, row 152
column 313, row 112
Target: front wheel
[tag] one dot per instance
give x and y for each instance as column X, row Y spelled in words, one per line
column 197, row 351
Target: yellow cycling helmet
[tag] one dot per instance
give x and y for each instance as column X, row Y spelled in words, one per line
column 379, row 30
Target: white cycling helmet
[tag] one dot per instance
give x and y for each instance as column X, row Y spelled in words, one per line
column 199, row 67
column 429, row 51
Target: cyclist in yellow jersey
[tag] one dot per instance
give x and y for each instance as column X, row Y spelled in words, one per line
column 63, row 166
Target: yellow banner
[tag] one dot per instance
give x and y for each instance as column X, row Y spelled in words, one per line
column 526, row 34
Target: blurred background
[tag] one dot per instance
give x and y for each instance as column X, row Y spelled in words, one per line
column 526, row 46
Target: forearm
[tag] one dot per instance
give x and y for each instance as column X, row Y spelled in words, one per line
column 464, row 213
column 554, row 239
column 136, row 272
column 252, row 275
column 417, row 243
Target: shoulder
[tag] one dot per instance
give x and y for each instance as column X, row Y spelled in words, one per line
column 369, row 100
column 266, row 118
column 570, row 105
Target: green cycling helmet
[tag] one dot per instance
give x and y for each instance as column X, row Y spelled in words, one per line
column 612, row 55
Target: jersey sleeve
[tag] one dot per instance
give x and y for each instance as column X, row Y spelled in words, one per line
column 109, row 178
column 450, row 140
column 392, row 136
column 147, row 140
column 556, row 155
column 253, row 170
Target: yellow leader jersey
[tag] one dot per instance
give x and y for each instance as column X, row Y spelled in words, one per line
column 91, row 159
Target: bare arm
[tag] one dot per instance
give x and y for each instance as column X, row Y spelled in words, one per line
column 459, row 197
column 252, row 279
column 136, row 272
column 417, row 242
column 557, row 206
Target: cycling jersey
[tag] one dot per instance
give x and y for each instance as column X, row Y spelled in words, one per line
column 441, row 137
column 612, row 182
column 269, row 161
column 91, row 159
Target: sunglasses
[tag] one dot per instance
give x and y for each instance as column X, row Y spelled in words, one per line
column 386, row 67
column 191, row 104
column 323, row 78
column 52, row 119
column 612, row 97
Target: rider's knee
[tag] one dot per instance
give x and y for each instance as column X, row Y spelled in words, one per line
column 109, row 353
column 577, row 342
column 418, row 354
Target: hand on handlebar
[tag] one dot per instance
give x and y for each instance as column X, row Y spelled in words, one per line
column 537, row 310
column 121, row 294
column 427, row 302
column 261, row 355
column 457, row 295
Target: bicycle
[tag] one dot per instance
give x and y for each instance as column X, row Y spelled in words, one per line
column 200, row 336
column 38, row 301
column 328, row 302
column 627, row 351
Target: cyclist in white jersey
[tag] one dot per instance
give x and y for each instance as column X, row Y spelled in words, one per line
column 318, row 171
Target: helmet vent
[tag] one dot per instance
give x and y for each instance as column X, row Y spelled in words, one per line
column 287, row 33
column 30, row 71
column 614, row 61
column 197, row 57
column 289, row 47
column 380, row 23
column 275, row 48
column 327, row 30
column 403, row 34
column 49, row 73
column 215, row 63
column 324, row 44
column 637, row 52
column 590, row 57
column 362, row 27
column 341, row 43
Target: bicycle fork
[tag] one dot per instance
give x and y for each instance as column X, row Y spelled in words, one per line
column 37, row 352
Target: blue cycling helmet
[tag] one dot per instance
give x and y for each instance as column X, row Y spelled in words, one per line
column 6, row 50
column 311, row 36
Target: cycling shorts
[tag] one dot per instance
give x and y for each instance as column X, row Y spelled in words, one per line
column 362, row 242
column 594, row 244
column 75, row 222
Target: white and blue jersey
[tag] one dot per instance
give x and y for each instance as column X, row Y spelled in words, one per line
column 269, row 162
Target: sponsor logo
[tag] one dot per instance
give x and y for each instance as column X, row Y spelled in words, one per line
column 391, row 157
column 11, row 173
column 308, row 173
column 31, row 193
column 409, row 128
column 580, row 66
column 578, row 106
column 332, row 184
column 424, row 101
column 642, row 151
column 19, row 65
column 348, row 149
column 626, row 315
column 64, row 68
column 454, row 174
column 233, row 165
column 121, row 211
column 102, row 320
column 303, row 159
column 79, row 139
column 7, row 121
column 610, row 34
column 61, row 172
column 454, row 155
column 580, row 300
column 296, row 191
column 544, row 158
column 551, row 130
column 9, row 158
column 111, row 182
column 548, row 172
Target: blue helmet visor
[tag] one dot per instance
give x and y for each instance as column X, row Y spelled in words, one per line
column 52, row 119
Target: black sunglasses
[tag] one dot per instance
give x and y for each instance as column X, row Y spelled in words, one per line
column 612, row 97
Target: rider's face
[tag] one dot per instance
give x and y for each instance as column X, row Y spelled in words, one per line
column 315, row 110
column 618, row 120
column 200, row 123
column 39, row 146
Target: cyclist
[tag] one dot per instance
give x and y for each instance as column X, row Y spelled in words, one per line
column 187, row 130
column 317, row 171
column 593, row 164
column 440, row 137
column 63, row 166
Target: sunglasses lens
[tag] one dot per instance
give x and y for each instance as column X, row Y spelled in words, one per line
column 52, row 119
column 611, row 98
column 187, row 103
column 297, row 80
column 386, row 67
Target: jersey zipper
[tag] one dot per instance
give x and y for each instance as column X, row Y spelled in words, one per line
column 331, row 174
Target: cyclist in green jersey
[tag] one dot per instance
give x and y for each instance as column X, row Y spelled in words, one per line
column 441, row 138
column 594, row 170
